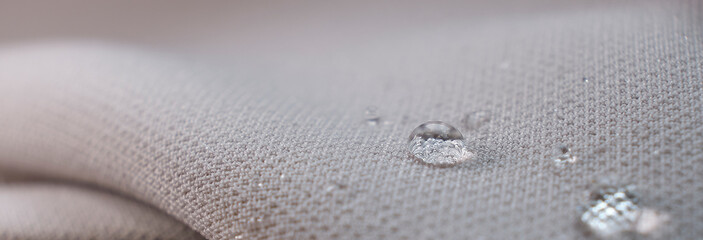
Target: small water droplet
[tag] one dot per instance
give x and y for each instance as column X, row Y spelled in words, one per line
column 565, row 155
column 611, row 211
column 372, row 117
column 475, row 120
column 438, row 143
column 585, row 79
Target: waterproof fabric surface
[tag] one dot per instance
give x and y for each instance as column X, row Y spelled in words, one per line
column 272, row 140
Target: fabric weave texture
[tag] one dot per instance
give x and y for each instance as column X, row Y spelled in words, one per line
column 275, row 145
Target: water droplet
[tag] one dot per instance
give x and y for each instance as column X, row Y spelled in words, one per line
column 612, row 211
column 565, row 155
column 372, row 117
column 438, row 143
column 585, row 79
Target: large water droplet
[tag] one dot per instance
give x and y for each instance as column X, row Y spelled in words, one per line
column 438, row 143
column 612, row 211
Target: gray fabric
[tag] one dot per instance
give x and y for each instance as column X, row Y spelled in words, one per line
column 57, row 211
column 272, row 141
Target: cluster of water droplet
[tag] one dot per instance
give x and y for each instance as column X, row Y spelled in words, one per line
column 610, row 212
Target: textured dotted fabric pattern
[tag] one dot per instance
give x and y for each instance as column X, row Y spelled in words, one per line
column 282, row 150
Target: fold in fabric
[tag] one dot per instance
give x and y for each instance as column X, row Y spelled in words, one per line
column 39, row 210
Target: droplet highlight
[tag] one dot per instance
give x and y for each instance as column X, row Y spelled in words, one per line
column 438, row 143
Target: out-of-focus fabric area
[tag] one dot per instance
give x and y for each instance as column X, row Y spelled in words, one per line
column 290, row 119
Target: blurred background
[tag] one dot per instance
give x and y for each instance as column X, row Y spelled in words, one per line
column 262, row 28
